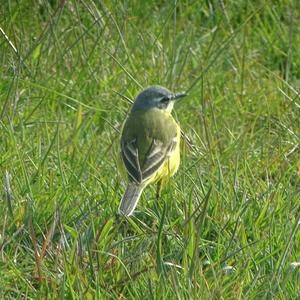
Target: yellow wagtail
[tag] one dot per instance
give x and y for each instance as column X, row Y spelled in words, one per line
column 149, row 143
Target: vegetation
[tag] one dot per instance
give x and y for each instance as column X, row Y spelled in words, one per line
column 226, row 226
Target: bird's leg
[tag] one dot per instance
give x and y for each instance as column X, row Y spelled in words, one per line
column 158, row 189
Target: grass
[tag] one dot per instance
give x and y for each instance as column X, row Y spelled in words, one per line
column 226, row 226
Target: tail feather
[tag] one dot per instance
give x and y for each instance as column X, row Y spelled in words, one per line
column 130, row 199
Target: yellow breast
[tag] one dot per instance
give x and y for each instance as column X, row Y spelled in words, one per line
column 171, row 165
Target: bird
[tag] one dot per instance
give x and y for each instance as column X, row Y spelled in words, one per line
column 150, row 143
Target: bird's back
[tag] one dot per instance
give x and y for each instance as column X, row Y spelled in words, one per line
column 154, row 124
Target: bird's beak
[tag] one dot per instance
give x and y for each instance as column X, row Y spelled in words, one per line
column 178, row 96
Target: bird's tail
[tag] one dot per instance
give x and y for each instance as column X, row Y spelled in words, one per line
column 130, row 199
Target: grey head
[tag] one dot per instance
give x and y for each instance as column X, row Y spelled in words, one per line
column 156, row 97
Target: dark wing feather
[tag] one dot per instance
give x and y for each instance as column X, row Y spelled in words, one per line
column 154, row 159
column 130, row 156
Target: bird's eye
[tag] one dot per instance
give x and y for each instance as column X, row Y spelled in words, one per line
column 165, row 99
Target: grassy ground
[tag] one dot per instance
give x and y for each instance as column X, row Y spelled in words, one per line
column 226, row 226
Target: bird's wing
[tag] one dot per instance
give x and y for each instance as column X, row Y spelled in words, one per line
column 130, row 156
column 153, row 160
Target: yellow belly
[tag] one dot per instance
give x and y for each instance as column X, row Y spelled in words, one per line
column 170, row 166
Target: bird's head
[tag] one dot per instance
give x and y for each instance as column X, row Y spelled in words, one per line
column 156, row 97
